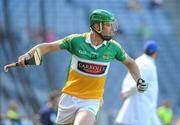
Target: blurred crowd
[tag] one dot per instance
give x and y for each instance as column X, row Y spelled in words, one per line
column 47, row 114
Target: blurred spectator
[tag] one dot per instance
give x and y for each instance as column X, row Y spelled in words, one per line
column 50, row 36
column 140, row 108
column 48, row 113
column 2, row 117
column 38, row 34
column 134, row 5
column 144, row 32
column 13, row 114
column 156, row 4
column 165, row 113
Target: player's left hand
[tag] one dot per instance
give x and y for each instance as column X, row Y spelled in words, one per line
column 141, row 85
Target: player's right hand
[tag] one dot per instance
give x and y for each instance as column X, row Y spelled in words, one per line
column 22, row 58
column 124, row 96
column 141, row 85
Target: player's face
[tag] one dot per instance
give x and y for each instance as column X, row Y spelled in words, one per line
column 109, row 29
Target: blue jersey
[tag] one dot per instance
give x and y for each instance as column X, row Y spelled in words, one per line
column 48, row 116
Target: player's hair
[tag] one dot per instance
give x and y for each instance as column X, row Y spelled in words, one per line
column 149, row 53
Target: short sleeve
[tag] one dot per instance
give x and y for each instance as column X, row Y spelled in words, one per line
column 66, row 43
column 120, row 52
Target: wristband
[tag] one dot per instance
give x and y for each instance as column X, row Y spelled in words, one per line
column 30, row 55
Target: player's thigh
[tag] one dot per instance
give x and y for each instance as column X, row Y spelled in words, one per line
column 66, row 110
column 84, row 117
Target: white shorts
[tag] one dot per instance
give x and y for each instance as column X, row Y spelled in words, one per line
column 70, row 105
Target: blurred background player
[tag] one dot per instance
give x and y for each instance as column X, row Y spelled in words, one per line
column 137, row 108
column 13, row 114
column 49, row 112
column 91, row 56
column 165, row 113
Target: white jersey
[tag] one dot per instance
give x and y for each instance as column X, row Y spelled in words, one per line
column 140, row 108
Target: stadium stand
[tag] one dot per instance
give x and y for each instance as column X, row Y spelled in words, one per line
column 20, row 21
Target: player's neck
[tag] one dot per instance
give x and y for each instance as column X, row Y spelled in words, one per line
column 96, row 39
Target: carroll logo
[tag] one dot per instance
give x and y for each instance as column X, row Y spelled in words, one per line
column 91, row 68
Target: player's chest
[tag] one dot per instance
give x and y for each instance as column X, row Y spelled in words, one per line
column 86, row 51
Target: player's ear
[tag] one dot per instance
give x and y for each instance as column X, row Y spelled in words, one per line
column 96, row 27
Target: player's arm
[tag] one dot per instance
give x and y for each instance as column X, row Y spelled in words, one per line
column 132, row 67
column 135, row 73
column 122, row 56
column 44, row 48
column 130, row 92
